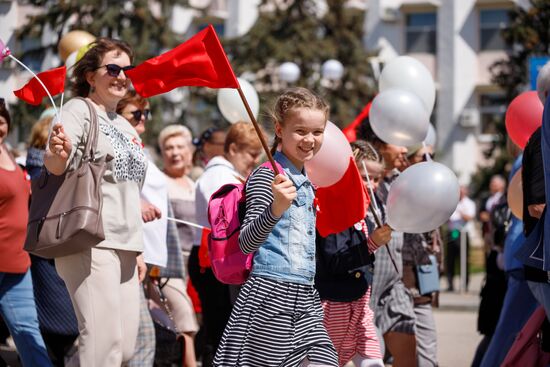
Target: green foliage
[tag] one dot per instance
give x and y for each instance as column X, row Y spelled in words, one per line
column 292, row 31
column 527, row 35
column 144, row 26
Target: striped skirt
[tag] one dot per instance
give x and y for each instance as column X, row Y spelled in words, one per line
column 350, row 326
column 277, row 324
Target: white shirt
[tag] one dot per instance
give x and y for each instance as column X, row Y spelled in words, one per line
column 155, row 191
column 466, row 207
column 218, row 172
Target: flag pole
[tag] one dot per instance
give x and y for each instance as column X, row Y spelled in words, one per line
column 258, row 131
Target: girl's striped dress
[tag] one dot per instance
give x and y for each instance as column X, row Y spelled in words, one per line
column 273, row 323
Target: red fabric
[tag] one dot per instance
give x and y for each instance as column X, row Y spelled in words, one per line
column 14, row 214
column 204, row 258
column 349, row 131
column 343, row 204
column 195, row 300
column 33, row 92
column 200, row 61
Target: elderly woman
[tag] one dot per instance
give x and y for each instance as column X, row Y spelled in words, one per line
column 242, row 152
column 103, row 280
column 176, row 149
column 17, row 306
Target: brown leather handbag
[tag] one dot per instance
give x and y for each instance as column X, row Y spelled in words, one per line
column 65, row 210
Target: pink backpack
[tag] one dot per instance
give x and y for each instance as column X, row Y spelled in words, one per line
column 226, row 210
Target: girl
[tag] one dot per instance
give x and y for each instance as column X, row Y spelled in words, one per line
column 343, row 278
column 277, row 319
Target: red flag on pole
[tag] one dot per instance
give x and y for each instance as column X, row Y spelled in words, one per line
column 33, row 92
column 200, row 61
column 342, row 204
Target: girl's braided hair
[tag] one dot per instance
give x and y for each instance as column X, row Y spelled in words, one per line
column 291, row 99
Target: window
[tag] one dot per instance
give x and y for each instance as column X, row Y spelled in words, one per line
column 491, row 23
column 218, row 27
column 492, row 108
column 420, row 33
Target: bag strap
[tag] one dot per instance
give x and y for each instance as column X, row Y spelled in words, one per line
column 93, row 133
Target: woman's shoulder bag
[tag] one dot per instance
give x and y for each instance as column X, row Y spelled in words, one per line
column 65, row 210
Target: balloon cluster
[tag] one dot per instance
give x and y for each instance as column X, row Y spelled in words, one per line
column 425, row 195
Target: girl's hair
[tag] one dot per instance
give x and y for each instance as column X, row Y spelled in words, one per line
column 365, row 132
column 131, row 97
column 91, row 61
column 175, row 130
column 364, row 150
column 291, row 99
column 4, row 112
column 39, row 133
column 243, row 135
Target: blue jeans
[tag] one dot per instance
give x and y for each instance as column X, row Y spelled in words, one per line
column 18, row 310
column 541, row 291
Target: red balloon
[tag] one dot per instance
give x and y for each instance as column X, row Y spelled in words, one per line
column 523, row 117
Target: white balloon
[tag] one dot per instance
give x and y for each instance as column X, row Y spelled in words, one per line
column 69, row 63
column 431, row 137
column 399, row 117
column 422, row 198
column 289, row 72
column 331, row 161
column 408, row 73
column 177, row 95
column 332, row 69
column 232, row 107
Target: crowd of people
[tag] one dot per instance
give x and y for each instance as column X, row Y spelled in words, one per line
column 309, row 301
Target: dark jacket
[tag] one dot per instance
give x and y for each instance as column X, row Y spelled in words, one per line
column 532, row 179
column 343, row 260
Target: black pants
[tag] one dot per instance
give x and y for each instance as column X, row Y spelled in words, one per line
column 453, row 257
column 215, row 303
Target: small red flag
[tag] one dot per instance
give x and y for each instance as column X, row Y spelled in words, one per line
column 33, row 92
column 342, row 204
column 200, row 62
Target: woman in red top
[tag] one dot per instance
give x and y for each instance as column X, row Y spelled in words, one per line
column 17, row 306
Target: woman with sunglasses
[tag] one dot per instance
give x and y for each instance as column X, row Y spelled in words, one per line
column 103, row 280
column 417, row 248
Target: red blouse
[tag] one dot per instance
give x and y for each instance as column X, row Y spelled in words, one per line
column 14, row 214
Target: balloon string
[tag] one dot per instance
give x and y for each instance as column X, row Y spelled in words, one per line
column 375, row 212
column 40, row 81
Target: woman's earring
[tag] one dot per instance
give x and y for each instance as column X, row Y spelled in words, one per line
column 92, row 89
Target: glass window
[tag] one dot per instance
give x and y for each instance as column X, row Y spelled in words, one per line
column 492, row 108
column 420, row 33
column 491, row 23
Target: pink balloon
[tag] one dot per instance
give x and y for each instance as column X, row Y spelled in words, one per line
column 331, row 161
column 4, row 51
column 523, row 117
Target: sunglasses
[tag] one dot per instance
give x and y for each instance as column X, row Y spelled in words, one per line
column 138, row 113
column 114, row 69
column 425, row 157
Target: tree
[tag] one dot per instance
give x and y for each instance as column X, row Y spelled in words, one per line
column 294, row 31
column 527, row 35
column 144, row 24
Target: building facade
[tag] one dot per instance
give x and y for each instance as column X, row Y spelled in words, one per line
column 457, row 40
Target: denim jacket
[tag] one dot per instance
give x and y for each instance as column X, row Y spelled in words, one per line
column 288, row 254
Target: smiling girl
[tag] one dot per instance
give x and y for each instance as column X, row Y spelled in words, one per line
column 277, row 319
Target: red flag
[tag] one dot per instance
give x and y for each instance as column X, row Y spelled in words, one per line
column 349, row 131
column 33, row 92
column 342, row 204
column 200, row 61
